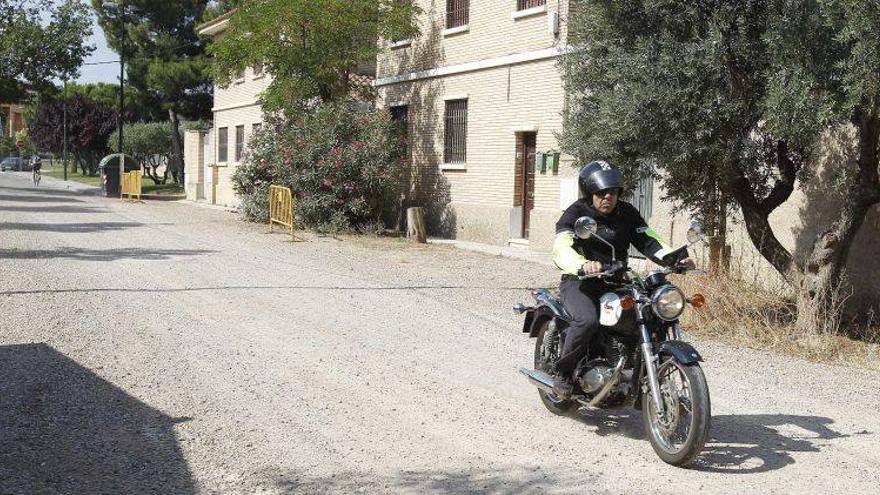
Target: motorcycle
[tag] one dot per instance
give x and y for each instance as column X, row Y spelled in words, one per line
column 636, row 358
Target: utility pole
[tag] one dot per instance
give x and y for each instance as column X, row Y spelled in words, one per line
column 121, row 94
column 64, row 132
column 119, row 6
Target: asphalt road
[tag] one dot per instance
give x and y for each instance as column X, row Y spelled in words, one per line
column 168, row 348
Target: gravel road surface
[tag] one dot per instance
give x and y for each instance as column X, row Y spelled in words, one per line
column 165, row 347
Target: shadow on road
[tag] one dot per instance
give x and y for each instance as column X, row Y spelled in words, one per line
column 504, row 480
column 54, row 209
column 757, row 443
column 65, row 430
column 101, row 254
column 48, row 192
column 71, row 228
column 739, row 443
column 38, row 199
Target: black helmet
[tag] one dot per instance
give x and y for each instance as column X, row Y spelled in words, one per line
column 599, row 175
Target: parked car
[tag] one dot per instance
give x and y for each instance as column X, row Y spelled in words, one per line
column 14, row 163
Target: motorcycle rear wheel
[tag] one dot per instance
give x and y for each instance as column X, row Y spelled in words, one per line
column 679, row 435
column 542, row 363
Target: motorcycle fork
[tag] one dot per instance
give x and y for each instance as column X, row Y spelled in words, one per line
column 649, row 360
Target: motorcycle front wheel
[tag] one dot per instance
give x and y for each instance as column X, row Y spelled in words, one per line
column 547, row 348
column 679, row 433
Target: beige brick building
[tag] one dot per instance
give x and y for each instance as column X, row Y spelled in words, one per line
column 483, row 98
column 212, row 157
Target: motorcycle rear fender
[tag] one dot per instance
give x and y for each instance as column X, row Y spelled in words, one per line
column 681, row 351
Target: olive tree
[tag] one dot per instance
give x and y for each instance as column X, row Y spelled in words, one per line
column 732, row 100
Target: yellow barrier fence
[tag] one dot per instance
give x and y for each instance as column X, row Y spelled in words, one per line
column 131, row 185
column 281, row 208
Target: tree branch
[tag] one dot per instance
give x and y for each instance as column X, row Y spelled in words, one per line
column 760, row 231
column 784, row 186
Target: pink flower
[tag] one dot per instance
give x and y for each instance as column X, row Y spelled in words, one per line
column 359, row 144
column 336, row 151
column 326, row 184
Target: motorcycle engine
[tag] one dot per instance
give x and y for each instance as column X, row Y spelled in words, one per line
column 594, row 376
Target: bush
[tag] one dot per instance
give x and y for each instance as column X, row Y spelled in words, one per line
column 254, row 205
column 342, row 162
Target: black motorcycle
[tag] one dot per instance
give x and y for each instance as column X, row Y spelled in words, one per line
column 636, row 358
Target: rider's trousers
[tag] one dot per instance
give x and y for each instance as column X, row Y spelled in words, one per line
column 580, row 299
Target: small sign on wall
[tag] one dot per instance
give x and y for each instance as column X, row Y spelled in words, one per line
column 568, row 191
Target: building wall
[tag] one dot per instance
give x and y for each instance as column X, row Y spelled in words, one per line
column 506, row 97
column 492, row 31
column 246, row 116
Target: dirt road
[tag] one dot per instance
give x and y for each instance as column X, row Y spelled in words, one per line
column 169, row 348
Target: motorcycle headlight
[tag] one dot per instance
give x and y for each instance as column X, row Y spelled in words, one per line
column 668, row 302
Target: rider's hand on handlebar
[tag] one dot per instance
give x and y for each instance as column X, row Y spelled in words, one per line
column 592, row 268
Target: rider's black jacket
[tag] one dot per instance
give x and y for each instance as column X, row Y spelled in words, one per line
column 622, row 227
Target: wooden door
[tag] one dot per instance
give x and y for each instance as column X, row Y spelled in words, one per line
column 528, row 178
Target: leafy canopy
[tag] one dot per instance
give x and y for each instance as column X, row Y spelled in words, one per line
column 163, row 55
column 40, row 41
column 729, row 99
column 310, row 47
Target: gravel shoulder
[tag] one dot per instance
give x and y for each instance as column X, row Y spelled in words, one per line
column 165, row 348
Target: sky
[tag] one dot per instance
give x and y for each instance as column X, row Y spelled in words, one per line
column 100, row 73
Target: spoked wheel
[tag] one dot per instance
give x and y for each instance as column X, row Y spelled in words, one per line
column 679, row 433
column 548, row 346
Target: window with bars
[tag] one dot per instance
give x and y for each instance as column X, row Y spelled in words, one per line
column 455, row 142
column 239, row 142
column 529, row 4
column 457, row 13
column 222, row 144
column 400, row 114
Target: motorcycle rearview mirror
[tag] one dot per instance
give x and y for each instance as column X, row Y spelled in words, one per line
column 585, row 226
column 696, row 232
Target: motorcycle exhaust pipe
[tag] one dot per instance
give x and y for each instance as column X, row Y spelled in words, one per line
column 539, row 379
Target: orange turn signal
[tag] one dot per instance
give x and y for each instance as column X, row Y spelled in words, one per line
column 627, row 303
column 698, row 301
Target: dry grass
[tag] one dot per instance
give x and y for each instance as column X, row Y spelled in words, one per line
column 740, row 313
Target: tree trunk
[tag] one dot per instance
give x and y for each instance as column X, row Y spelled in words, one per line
column 820, row 296
column 416, row 230
column 177, row 147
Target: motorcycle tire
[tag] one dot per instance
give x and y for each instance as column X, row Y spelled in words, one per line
column 550, row 401
column 700, row 412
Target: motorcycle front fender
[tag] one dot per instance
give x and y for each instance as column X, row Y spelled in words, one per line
column 683, row 352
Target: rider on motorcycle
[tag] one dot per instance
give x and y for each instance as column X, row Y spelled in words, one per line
column 620, row 224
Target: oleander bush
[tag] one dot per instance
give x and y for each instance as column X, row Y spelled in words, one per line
column 342, row 161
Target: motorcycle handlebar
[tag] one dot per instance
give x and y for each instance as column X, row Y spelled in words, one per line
column 607, row 270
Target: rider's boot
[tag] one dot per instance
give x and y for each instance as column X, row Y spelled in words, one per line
column 562, row 386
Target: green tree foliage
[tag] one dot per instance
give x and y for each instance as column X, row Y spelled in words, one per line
column 310, row 47
column 342, row 162
column 165, row 59
column 40, row 40
column 150, row 144
column 731, row 100
column 89, row 125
